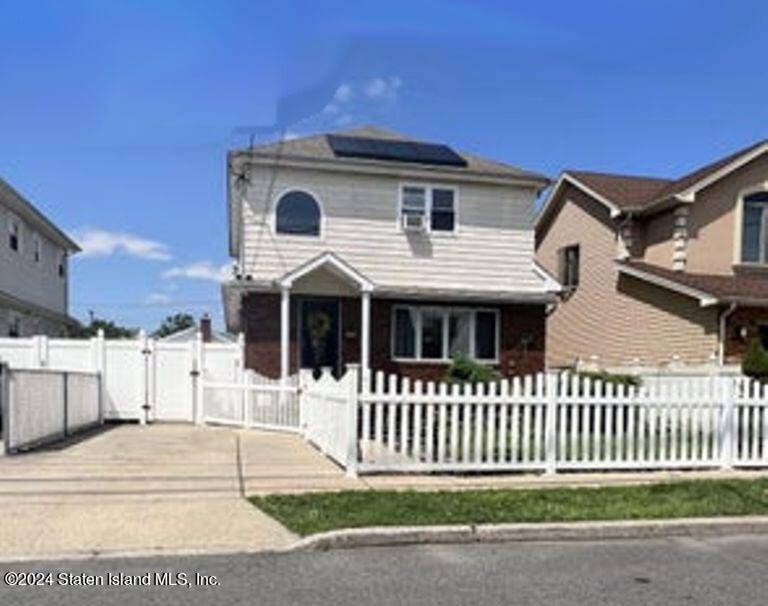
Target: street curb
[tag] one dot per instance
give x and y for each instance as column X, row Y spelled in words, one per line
column 380, row 536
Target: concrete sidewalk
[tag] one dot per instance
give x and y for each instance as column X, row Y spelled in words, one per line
column 180, row 488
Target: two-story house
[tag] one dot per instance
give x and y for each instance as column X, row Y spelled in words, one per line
column 33, row 270
column 658, row 271
column 371, row 248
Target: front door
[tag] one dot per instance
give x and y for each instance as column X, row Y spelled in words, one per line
column 319, row 333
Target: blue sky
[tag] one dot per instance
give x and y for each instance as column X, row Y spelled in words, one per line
column 116, row 116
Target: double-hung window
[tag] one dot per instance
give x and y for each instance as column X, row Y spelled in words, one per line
column 569, row 266
column 435, row 205
column 37, row 249
column 440, row 333
column 754, row 228
column 14, row 234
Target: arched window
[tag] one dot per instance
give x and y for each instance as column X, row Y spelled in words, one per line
column 298, row 213
column 754, row 236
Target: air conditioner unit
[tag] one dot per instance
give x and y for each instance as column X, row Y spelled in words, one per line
column 414, row 223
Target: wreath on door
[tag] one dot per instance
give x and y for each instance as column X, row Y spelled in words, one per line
column 318, row 325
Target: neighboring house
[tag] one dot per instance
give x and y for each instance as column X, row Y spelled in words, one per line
column 34, row 270
column 658, row 271
column 206, row 331
column 367, row 247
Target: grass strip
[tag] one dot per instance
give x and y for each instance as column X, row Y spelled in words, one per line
column 311, row 513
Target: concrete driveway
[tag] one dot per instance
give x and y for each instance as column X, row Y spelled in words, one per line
column 174, row 488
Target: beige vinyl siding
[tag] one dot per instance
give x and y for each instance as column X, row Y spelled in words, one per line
column 617, row 319
column 656, row 237
column 492, row 249
column 712, row 229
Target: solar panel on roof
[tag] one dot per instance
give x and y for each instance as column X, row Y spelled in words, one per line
column 395, row 150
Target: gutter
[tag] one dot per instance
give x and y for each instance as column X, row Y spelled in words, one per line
column 721, row 332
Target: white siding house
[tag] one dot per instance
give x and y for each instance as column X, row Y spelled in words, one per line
column 468, row 244
column 34, row 269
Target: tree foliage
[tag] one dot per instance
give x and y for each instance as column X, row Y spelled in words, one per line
column 173, row 324
column 111, row 329
column 465, row 370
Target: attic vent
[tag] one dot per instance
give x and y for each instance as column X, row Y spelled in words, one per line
column 394, row 150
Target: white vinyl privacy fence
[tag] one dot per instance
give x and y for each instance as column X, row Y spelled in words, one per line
column 141, row 379
column 41, row 406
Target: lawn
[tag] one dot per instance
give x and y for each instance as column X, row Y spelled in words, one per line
column 312, row 513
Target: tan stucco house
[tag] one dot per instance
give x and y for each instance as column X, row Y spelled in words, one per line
column 658, row 271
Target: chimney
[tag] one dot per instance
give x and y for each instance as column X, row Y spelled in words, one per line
column 205, row 328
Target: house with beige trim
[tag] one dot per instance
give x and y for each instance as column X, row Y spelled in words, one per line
column 656, row 271
column 372, row 248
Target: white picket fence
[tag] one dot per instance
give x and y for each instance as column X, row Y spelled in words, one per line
column 330, row 415
column 551, row 423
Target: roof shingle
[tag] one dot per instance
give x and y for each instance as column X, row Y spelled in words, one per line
column 316, row 147
column 722, row 287
column 630, row 192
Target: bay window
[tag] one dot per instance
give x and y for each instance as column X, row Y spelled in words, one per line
column 439, row 333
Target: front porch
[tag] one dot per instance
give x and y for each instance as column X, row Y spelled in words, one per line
column 325, row 314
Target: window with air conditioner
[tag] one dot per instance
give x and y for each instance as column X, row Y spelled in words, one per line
column 426, row 208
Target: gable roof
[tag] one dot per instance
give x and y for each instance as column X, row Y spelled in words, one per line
column 627, row 192
column 642, row 194
column 315, row 148
column 27, row 211
column 335, row 264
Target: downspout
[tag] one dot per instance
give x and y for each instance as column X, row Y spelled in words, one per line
column 721, row 333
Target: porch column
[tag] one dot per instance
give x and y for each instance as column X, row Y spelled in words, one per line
column 285, row 331
column 365, row 334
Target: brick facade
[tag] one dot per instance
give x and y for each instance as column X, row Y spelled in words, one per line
column 521, row 344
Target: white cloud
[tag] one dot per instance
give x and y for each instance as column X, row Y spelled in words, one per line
column 343, row 94
column 383, row 88
column 157, row 298
column 103, row 243
column 376, row 90
column 200, row 270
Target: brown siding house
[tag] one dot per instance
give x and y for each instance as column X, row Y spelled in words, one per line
column 670, row 270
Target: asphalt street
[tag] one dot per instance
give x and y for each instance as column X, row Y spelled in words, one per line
column 725, row 571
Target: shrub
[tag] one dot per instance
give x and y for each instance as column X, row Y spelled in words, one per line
column 465, row 370
column 755, row 362
column 616, row 379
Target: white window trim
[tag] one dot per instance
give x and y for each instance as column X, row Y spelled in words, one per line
column 62, row 262
column 446, row 310
column 429, row 190
column 13, row 220
column 273, row 214
column 37, row 248
column 562, row 252
column 738, row 240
